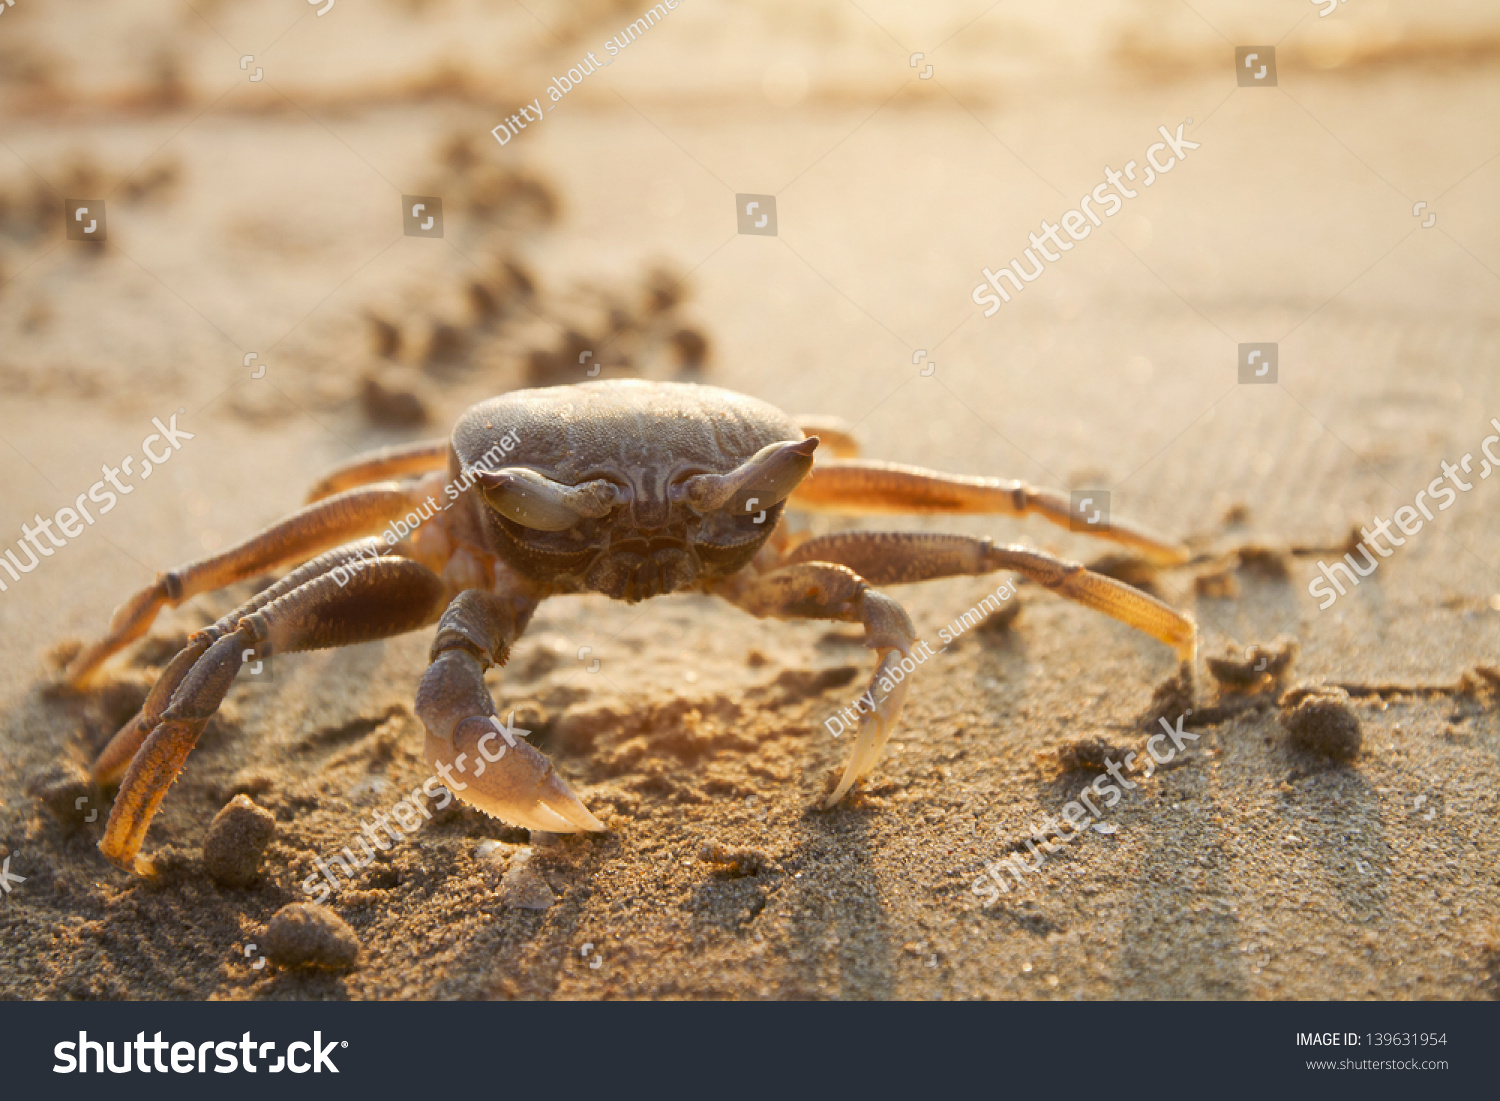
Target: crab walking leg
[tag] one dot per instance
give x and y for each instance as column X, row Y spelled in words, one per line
column 888, row 558
column 306, row 532
column 388, row 597
column 495, row 773
column 821, row 590
column 378, row 466
column 872, row 488
column 835, row 433
column 115, row 757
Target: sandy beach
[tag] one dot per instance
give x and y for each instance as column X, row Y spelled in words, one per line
column 263, row 305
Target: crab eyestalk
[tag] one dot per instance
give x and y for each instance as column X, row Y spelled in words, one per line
column 536, row 501
column 766, row 478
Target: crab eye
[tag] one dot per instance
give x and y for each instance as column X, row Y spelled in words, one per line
column 768, row 476
column 535, row 501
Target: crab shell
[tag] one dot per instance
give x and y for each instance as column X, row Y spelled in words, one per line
column 638, row 444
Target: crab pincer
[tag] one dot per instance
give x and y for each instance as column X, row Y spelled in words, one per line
column 485, row 761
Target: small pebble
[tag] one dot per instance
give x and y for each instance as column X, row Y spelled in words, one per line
column 482, row 301
column 665, row 289
column 370, row 786
column 736, row 862
column 1171, row 699
column 1219, row 585
column 1271, row 563
column 388, row 399
column 1322, row 721
column 690, row 347
column 64, row 789
column 236, row 840
column 304, row 934
column 1088, row 755
column 1259, row 663
column 385, row 336
column 523, row 887
column 446, row 343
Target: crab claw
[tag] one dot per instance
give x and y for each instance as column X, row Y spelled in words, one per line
column 525, row 790
column 874, row 726
column 514, row 783
column 485, row 762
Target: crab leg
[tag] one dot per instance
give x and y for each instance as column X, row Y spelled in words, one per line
column 378, row 466
column 309, row 531
column 115, row 757
column 504, row 778
column 871, row 488
column 820, row 590
column 836, row 434
column 389, row 596
column 888, row 558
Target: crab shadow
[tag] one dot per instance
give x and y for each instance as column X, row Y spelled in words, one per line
column 839, row 927
column 1169, row 952
column 1355, row 859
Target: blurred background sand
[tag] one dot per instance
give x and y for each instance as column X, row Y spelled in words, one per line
column 265, row 217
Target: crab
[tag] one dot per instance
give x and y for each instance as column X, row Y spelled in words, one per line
column 628, row 488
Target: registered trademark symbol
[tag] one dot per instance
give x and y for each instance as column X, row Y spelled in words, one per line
column 343, row 1043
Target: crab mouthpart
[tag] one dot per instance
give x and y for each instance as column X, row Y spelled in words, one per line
column 628, row 576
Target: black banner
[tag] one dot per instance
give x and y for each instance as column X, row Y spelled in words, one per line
column 1115, row 1050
